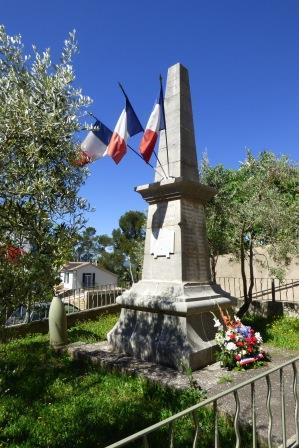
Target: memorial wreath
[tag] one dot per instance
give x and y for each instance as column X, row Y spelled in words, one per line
column 240, row 345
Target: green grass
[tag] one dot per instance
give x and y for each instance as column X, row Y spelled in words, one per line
column 225, row 378
column 281, row 332
column 48, row 400
column 93, row 331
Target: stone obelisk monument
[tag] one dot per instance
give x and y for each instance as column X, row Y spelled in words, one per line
column 166, row 317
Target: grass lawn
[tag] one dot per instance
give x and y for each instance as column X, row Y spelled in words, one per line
column 281, row 332
column 48, row 400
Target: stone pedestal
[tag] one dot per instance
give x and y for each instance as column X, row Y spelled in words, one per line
column 167, row 317
column 169, row 323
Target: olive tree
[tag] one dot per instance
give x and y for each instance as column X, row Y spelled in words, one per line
column 219, row 230
column 40, row 210
column 258, row 208
column 124, row 254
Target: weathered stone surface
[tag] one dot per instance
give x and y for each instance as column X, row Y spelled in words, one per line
column 177, row 205
column 169, row 323
column 180, row 129
column 166, row 317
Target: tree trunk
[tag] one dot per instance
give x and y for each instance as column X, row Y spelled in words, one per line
column 247, row 294
column 213, row 259
column 251, row 273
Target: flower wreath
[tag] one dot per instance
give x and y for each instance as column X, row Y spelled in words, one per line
column 239, row 344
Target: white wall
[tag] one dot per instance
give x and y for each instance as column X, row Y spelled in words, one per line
column 67, row 284
column 101, row 277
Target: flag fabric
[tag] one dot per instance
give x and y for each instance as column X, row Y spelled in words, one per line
column 95, row 144
column 156, row 123
column 127, row 125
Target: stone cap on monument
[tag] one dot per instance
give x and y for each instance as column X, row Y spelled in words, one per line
column 175, row 188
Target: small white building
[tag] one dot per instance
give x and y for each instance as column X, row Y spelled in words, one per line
column 76, row 275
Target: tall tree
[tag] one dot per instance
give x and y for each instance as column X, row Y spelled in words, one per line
column 219, row 230
column 124, row 254
column 40, row 210
column 90, row 246
column 86, row 247
column 260, row 209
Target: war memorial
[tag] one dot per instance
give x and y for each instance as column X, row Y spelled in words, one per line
column 166, row 317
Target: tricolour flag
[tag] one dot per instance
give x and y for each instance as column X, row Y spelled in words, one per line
column 127, row 125
column 155, row 124
column 95, row 144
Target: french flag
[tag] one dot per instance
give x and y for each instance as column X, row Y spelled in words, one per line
column 155, row 124
column 95, row 144
column 128, row 125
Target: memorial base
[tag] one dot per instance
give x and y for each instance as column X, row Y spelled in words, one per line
column 169, row 323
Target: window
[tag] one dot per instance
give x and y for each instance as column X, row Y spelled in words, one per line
column 88, row 280
column 66, row 277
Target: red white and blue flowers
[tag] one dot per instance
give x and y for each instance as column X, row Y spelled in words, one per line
column 240, row 345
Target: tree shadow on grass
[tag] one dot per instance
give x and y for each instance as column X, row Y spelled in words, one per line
column 79, row 334
column 50, row 400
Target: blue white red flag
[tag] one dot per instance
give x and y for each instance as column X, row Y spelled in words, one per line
column 127, row 125
column 155, row 124
column 95, row 144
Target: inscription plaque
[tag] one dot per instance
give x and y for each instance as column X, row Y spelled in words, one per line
column 162, row 243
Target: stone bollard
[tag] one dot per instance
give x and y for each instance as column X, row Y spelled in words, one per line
column 57, row 324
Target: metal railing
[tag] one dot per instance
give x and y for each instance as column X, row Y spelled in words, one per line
column 144, row 435
column 263, row 289
column 74, row 300
column 82, row 299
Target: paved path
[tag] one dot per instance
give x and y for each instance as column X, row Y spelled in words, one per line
column 228, row 405
column 211, row 379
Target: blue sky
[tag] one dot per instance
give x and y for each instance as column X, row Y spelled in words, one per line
column 243, row 61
